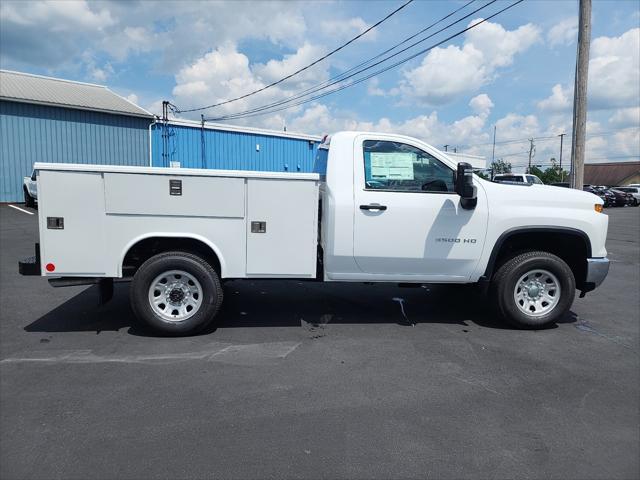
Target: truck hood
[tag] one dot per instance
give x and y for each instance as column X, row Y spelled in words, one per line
column 540, row 195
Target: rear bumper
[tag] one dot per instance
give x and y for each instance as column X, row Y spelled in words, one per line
column 597, row 270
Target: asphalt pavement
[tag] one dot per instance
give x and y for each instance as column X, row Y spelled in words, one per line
column 305, row 380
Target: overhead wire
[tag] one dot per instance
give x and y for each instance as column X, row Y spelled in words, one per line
column 267, row 109
column 341, row 78
column 345, row 74
column 300, row 70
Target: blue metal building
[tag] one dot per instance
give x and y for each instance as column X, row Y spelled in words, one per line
column 190, row 145
column 45, row 119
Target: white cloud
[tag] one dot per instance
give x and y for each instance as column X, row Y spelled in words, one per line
column 274, row 70
column 225, row 73
column 614, row 71
column 130, row 40
column 560, row 100
column 614, row 76
column 513, row 125
column 61, row 16
column 55, row 34
column 373, row 88
column 319, row 119
column 50, row 33
column 564, row 32
column 132, row 97
column 346, row 29
column 625, row 117
column 447, row 72
column 481, row 104
column 101, row 74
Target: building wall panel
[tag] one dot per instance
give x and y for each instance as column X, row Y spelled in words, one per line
column 231, row 150
column 36, row 133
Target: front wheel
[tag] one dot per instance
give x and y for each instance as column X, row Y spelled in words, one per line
column 533, row 289
column 176, row 293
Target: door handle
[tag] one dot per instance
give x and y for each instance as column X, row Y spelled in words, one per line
column 371, row 206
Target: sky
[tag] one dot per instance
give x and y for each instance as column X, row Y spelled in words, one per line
column 514, row 72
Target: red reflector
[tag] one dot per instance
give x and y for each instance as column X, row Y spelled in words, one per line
column 50, row 267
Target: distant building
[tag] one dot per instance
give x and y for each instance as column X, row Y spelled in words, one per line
column 612, row 174
column 44, row 119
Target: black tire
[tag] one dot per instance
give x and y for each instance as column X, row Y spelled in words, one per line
column 636, row 202
column 192, row 264
column 504, row 284
column 29, row 201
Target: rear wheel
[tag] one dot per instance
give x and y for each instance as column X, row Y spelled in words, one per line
column 533, row 289
column 176, row 293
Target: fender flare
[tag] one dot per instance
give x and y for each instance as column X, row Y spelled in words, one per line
column 519, row 230
column 192, row 236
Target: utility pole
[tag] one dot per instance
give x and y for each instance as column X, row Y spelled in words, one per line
column 580, row 96
column 561, row 171
column 493, row 152
column 531, row 153
column 445, row 147
column 165, row 133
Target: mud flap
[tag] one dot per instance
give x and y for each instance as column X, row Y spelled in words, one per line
column 105, row 290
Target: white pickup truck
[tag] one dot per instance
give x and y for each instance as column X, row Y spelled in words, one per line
column 383, row 208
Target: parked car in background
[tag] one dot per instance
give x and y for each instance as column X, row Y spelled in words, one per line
column 517, row 178
column 30, row 188
column 622, row 198
column 607, row 197
column 634, row 191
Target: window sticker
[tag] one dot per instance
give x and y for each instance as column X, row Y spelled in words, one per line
column 392, row 165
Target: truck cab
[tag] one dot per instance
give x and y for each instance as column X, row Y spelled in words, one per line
column 393, row 213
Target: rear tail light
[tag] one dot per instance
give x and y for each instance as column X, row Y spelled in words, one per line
column 50, row 267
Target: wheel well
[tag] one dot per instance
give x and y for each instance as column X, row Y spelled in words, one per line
column 572, row 247
column 141, row 251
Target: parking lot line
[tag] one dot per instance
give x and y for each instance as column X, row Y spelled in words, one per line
column 21, row 209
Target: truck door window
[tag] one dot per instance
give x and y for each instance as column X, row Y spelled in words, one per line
column 403, row 168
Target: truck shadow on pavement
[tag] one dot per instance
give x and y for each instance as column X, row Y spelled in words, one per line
column 290, row 303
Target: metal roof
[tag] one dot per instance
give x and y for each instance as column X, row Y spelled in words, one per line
column 36, row 89
column 612, row 173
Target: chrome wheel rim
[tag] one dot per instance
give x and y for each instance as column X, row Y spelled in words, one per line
column 537, row 292
column 175, row 295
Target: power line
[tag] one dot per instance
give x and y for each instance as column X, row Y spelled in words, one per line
column 347, row 75
column 301, row 69
column 360, row 80
column 523, row 140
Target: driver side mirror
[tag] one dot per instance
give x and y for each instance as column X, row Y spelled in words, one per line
column 465, row 187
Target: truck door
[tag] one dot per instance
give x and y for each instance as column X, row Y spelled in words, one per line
column 408, row 219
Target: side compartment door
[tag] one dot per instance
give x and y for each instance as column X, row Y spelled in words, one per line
column 408, row 221
column 282, row 219
column 76, row 247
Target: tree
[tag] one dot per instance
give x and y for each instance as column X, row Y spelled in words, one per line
column 552, row 174
column 500, row 166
